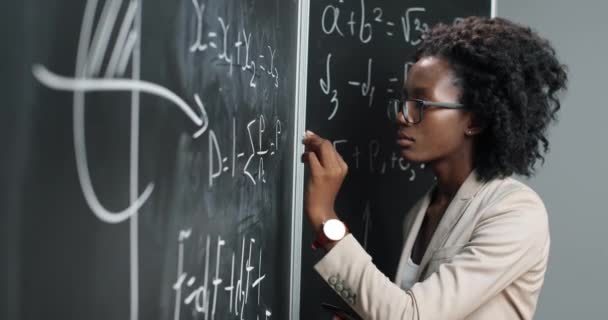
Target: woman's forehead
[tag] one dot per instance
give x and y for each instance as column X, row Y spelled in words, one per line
column 429, row 70
column 429, row 75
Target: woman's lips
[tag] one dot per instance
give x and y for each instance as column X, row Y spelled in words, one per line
column 404, row 140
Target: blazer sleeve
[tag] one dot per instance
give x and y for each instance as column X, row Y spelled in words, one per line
column 508, row 240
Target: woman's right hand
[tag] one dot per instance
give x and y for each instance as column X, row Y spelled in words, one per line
column 327, row 172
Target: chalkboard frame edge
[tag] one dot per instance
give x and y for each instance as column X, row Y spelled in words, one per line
column 298, row 172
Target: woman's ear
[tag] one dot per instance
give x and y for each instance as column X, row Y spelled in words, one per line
column 473, row 130
column 474, row 127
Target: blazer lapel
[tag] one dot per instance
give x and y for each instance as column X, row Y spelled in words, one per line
column 452, row 215
column 412, row 223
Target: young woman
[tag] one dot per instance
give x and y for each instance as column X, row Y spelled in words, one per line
column 476, row 106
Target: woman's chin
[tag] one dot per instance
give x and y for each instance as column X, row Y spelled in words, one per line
column 409, row 155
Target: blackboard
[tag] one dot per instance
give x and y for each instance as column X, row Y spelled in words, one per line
column 359, row 51
column 150, row 164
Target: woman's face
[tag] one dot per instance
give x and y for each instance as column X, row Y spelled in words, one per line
column 441, row 133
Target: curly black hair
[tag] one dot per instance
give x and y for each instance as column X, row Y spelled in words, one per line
column 509, row 77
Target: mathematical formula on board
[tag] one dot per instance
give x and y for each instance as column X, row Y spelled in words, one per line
column 234, row 54
column 108, row 59
column 238, row 286
column 90, row 77
column 362, row 24
column 366, row 23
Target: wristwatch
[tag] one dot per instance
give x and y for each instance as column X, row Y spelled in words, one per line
column 332, row 230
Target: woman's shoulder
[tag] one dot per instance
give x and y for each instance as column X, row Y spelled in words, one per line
column 513, row 208
column 508, row 190
column 511, row 199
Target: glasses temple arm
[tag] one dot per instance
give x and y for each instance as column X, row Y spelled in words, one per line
column 449, row 105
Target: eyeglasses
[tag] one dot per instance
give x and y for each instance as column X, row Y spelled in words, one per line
column 413, row 109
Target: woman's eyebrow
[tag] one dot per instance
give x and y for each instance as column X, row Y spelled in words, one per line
column 417, row 91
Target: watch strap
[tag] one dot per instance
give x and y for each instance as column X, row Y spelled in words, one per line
column 322, row 239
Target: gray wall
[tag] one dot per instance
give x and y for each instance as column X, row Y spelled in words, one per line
column 573, row 180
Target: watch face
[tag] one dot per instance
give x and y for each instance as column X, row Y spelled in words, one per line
column 334, row 229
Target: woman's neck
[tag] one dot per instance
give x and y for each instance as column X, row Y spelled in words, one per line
column 450, row 177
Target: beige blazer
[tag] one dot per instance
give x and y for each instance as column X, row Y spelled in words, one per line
column 486, row 260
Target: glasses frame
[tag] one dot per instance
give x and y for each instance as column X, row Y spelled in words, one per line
column 421, row 105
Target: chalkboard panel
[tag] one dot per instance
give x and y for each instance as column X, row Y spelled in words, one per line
column 153, row 177
column 359, row 53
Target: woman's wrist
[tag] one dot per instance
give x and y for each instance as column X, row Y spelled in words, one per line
column 320, row 217
column 329, row 233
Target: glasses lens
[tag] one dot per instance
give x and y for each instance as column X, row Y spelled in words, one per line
column 411, row 109
column 393, row 109
column 414, row 111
